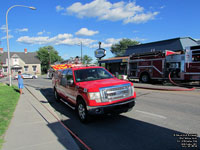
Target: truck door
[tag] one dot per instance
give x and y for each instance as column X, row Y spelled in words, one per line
column 70, row 87
column 63, row 83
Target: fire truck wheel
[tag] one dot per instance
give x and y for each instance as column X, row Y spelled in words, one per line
column 57, row 97
column 144, row 78
column 82, row 111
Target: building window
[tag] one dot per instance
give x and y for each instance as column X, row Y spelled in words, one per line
column 16, row 69
column 5, row 69
column 34, row 68
column 25, row 68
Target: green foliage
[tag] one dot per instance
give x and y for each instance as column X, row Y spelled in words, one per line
column 47, row 55
column 86, row 59
column 119, row 49
column 8, row 101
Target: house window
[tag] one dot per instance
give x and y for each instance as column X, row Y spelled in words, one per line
column 5, row 69
column 25, row 68
column 34, row 68
column 16, row 69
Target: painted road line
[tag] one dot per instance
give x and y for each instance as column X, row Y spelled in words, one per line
column 151, row 114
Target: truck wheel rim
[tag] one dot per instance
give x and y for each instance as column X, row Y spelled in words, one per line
column 144, row 78
column 81, row 111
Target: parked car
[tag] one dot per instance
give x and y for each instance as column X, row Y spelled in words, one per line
column 27, row 76
column 1, row 76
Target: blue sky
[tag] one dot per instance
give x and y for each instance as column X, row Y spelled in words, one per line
column 65, row 23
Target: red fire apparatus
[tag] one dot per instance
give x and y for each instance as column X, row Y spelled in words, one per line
column 181, row 65
column 92, row 90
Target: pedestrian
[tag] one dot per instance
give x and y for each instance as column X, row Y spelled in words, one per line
column 20, row 82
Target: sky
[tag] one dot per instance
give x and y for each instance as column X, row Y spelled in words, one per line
column 64, row 24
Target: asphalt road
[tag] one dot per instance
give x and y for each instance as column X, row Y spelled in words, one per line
column 160, row 120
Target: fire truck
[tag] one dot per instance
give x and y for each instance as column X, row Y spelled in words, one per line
column 160, row 65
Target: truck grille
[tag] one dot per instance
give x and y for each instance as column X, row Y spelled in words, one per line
column 116, row 92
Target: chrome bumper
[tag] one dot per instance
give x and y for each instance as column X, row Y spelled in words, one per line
column 112, row 108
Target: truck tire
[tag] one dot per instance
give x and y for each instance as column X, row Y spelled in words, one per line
column 145, row 78
column 82, row 112
column 56, row 95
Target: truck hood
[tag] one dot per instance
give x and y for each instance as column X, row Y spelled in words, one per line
column 93, row 86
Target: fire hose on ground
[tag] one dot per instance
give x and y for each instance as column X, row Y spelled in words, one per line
column 168, row 89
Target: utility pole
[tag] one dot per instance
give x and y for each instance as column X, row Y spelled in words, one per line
column 81, row 53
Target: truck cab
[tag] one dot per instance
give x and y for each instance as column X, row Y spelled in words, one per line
column 93, row 91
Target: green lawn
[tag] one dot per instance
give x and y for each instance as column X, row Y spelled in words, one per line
column 8, row 100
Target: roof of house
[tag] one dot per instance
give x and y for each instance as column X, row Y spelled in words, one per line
column 28, row 58
column 175, row 44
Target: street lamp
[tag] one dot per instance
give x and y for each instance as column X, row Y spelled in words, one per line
column 81, row 44
column 49, row 58
column 81, row 53
column 9, row 71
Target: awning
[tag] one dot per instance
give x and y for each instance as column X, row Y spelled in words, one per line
column 16, row 67
column 114, row 60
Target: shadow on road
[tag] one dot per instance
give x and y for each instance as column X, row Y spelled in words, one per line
column 118, row 132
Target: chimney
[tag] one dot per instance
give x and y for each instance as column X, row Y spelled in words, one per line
column 1, row 50
column 25, row 50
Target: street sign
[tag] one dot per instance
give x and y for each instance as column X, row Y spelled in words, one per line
column 100, row 52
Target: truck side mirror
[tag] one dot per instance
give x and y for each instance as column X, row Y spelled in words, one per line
column 70, row 82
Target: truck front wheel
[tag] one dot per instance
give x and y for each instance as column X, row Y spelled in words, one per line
column 144, row 78
column 82, row 111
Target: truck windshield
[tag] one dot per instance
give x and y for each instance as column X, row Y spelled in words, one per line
column 91, row 74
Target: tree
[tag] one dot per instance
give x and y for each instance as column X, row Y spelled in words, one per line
column 119, row 49
column 87, row 59
column 47, row 55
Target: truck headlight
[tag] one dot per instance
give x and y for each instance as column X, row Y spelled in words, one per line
column 94, row 96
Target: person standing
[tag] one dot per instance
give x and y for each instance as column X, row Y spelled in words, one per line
column 20, row 82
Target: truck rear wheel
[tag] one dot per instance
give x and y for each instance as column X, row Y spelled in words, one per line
column 144, row 78
column 82, row 111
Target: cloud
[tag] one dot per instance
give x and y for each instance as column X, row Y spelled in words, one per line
column 110, row 41
column 22, row 30
column 107, row 43
column 128, row 12
column 43, row 32
column 59, row 8
column 141, row 18
column 3, row 28
column 9, row 37
column 86, row 32
column 40, row 33
column 162, row 7
column 60, row 39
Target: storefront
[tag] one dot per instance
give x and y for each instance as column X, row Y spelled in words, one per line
column 116, row 65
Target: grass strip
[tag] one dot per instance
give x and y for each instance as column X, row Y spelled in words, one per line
column 9, row 97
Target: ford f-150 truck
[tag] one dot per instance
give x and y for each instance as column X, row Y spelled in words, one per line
column 93, row 90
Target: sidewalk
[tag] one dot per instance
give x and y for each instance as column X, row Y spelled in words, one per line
column 34, row 128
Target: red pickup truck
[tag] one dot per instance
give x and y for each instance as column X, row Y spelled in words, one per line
column 92, row 91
